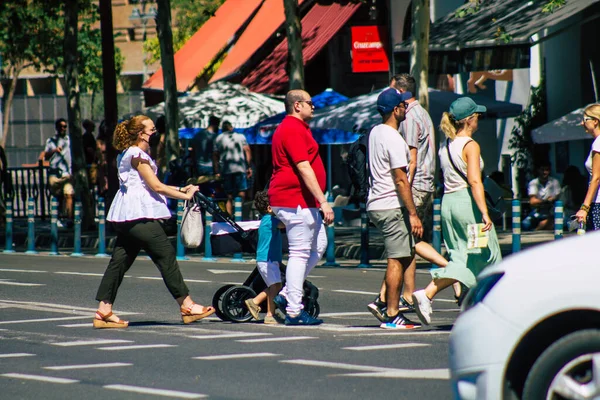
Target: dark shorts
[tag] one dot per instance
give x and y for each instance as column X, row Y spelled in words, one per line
column 235, row 183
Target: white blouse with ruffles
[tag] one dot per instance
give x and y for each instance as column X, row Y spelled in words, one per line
column 135, row 200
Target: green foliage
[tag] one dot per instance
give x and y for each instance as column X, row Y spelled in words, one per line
column 532, row 117
column 553, row 5
column 190, row 16
column 470, row 9
column 33, row 34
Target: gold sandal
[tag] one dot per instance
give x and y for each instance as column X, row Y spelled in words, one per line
column 102, row 321
column 188, row 317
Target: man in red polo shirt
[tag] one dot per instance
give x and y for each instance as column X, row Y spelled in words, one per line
column 295, row 195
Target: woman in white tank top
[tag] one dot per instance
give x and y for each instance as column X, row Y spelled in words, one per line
column 136, row 210
column 463, row 204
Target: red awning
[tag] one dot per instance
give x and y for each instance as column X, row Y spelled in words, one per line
column 210, row 39
column 267, row 21
column 319, row 25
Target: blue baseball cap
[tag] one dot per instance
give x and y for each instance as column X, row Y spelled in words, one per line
column 465, row 107
column 389, row 99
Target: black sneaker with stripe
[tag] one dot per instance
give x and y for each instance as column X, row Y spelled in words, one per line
column 398, row 322
column 378, row 309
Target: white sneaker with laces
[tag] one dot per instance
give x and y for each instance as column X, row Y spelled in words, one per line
column 422, row 306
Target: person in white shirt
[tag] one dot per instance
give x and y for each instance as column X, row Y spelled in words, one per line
column 463, row 204
column 590, row 209
column 136, row 210
column 543, row 191
column 390, row 203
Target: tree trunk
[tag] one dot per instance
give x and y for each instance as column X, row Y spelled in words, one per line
column 419, row 53
column 293, row 28
column 8, row 100
column 78, row 165
column 165, row 38
column 109, row 76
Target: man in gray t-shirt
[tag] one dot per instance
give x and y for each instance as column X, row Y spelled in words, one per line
column 232, row 160
column 58, row 152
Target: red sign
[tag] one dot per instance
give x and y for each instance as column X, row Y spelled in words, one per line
column 368, row 51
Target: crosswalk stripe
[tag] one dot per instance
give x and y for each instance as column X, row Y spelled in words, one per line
column 87, row 366
column 21, row 284
column 228, row 271
column 228, row 335
column 25, row 321
column 14, row 355
column 90, row 342
column 355, row 292
column 158, row 392
column 33, row 271
column 277, row 339
column 387, row 346
column 78, row 273
column 85, row 325
column 235, row 356
column 40, row 378
column 137, row 347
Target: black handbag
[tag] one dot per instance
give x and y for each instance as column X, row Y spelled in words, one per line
column 493, row 212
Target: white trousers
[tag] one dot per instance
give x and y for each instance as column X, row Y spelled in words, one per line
column 307, row 241
column 269, row 271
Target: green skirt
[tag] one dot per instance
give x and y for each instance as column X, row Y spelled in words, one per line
column 458, row 211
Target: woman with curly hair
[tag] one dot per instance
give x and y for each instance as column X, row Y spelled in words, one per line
column 136, row 211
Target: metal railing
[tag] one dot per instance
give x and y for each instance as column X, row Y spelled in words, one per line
column 25, row 182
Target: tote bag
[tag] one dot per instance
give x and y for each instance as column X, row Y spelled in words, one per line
column 192, row 228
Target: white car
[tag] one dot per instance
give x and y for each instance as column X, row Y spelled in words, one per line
column 530, row 328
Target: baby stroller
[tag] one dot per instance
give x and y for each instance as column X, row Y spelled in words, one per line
column 229, row 300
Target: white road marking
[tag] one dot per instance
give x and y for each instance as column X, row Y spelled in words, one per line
column 86, row 325
column 387, row 346
column 356, row 292
column 399, row 333
column 228, row 335
column 197, row 281
column 277, row 339
column 342, row 328
column 25, row 321
column 236, row 356
column 23, row 270
column 14, row 355
column 78, row 273
column 40, row 378
column 157, row 392
column 90, row 342
column 21, row 284
column 376, row 372
column 228, row 271
column 61, row 306
column 153, row 278
column 439, row 374
column 316, row 276
column 87, row 366
column 137, row 347
column 345, row 314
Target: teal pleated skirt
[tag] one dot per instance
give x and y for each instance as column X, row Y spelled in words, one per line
column 458, row 211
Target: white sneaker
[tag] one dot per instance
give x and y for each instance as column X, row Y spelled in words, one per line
column 422, row 306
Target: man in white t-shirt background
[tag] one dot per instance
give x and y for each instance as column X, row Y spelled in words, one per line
column 390, row 203
column 543, row 191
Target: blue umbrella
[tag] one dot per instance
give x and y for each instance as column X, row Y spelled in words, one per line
column 262, row 132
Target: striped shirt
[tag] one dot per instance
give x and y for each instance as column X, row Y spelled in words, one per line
column 417, row 129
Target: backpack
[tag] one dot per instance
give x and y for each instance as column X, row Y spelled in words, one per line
column 358, row 167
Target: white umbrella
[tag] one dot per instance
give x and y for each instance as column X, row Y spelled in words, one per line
column 228, row 101
column 567, row 127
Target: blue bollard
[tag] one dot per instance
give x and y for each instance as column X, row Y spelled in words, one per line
column 237, row 216
column 101, row 228
column 437, row 225
column 558, row 219
column 207, row 245
column 8, row 248
column 330, row 253
column 54, row 226
column 516, row 226
column 77, row 231
column 180, row 248
column 30, row 226
column 364, row 237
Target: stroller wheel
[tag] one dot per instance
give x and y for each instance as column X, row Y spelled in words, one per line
column 312, row 308
column 234, row 308
column 217, row 302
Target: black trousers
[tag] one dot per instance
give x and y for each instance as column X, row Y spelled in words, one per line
column 133, row 236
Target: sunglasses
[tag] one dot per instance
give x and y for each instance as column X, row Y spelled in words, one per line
column 310, row 103
column 62, row 126
column 586, row 118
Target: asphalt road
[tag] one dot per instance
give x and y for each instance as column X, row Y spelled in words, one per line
column 49, row 350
